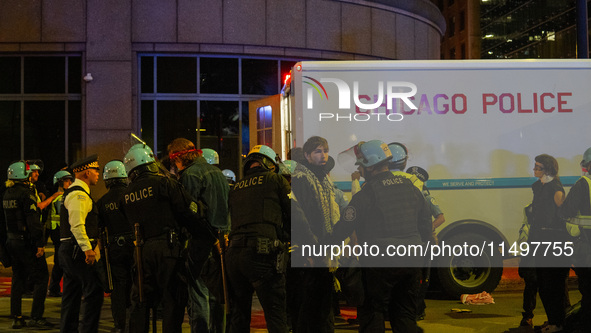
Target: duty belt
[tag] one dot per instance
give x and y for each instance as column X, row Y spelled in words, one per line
column 244, row 242
column 121, row 239
column 15, row 236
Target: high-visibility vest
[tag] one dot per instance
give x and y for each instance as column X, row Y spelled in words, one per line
column 574, row 224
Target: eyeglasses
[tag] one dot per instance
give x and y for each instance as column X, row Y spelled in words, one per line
column 538, row 168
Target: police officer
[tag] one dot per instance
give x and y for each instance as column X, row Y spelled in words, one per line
column 388, row 210
column 26, row 246
column 230, row 177
column 79, row 237
column 117, row 232
column 62, row 179
column 259, row 209
column 211, row 156
column 160, row 207
column 577, row 208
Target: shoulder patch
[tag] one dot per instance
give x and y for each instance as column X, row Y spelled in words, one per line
column 81, row 197
column 349, row 214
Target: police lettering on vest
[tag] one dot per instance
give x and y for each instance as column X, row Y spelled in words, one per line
column 139, row 195
column 249, row 182
column 111, row 206
column 9, row 204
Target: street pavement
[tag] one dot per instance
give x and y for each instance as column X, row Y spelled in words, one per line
column 503, row 316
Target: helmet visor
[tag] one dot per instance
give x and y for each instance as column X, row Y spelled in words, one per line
column 348, row 159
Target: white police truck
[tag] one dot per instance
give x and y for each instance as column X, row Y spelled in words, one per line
column 474, row 125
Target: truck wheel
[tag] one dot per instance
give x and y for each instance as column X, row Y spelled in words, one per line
column 459, row 275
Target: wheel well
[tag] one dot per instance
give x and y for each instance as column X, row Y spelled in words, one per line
column 476, row 226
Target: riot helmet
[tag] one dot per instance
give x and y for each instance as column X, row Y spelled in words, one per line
column 18, row 171
column 371, row 153
column 230, row 176
column 586, row 159
column 139, row 154
column 62, row 175
column 115, row 169
column 265, row 156
column 211, row 156
column 399, row 156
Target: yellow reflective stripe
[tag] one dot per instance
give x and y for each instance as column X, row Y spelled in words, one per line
column 413, row 179
column 575, row 224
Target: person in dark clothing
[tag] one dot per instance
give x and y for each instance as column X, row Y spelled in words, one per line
column 118, row 233
column 62, row 179
column 315, row 194
column 546, row 226
column 205, row 182
column 577, row 208
column 160, row 208
column 78, row 257
column 25, row 245
column 388, row 211
column 257, row 256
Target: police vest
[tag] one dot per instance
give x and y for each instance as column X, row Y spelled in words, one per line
column 394, row 213
column 13, row 203
column 255, row 205
column 146, row 201
column 109, row 212
column 574, row 224
column 90, row 223
column 54, row 211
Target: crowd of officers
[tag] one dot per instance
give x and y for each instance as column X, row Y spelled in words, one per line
column 187, row 237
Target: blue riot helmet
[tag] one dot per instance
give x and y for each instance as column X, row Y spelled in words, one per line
column 61, row 176
column 113, row 170
column 34, row 167
column 211, row 156
column 229, row 174
column 290, row 165
column 586, row 159
column 18, row 171
column 265, row 156
column 139, row 154
column 399, row 156
column 371, row 153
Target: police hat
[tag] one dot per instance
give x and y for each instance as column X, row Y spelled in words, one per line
column 90, row 162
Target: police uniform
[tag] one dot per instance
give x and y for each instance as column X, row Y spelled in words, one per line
column 79, row 233
column 259, row 209
column 54, row 232
column 388, row 210
column 161, row 207
column 24, row 237
column 578, row 205
column 119, row 240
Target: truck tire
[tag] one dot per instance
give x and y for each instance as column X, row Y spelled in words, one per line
column 469, row 274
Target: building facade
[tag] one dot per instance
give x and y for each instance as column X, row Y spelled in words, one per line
column 80, row 76
column 528, row 29
column 462, row 36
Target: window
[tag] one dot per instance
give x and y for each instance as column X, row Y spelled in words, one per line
column 204, row 98
column 452, row 26
column 264, row 125
column 40, row 110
